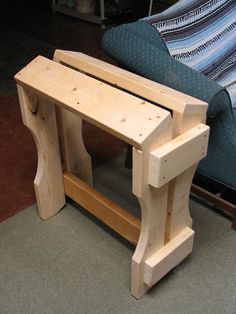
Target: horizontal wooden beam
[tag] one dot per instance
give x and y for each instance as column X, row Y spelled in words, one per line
column 121, row 114
column 178, row 155
column 102, row 208
column 175, row 251
column 131, row 82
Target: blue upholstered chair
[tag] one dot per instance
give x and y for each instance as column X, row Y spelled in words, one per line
column 190, row 47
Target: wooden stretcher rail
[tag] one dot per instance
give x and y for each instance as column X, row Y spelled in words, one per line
column 103, row 208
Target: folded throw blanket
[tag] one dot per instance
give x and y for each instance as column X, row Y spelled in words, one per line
column 202, row 35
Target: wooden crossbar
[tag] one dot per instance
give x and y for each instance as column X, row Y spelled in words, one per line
column 103, row 208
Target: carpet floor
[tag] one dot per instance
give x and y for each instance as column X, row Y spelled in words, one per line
column 18, row 160
column 72, row 264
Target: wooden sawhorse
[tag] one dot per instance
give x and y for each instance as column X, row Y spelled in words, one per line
column 167, row 145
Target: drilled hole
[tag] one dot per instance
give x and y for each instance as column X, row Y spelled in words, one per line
column 74, row 89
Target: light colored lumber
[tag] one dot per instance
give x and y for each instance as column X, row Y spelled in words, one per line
column 160, row 263
column 164, row 237
column 178, row 217
column 39, row 116
column 176, row 156
column 187, row 113
column 75, row 156
column 117, row 112
column 103, row 208
column 131, row 82
column 153, row 204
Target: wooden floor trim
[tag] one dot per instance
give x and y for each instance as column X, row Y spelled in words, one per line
column 216, row 200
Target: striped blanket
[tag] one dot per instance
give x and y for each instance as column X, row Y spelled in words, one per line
column 202, row 35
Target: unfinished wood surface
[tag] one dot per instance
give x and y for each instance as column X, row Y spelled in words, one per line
column 75, row 156
column 173, row 158
column 131, row 82
column 178, row 216
column 117, row 112
column 39, row 116
column 187, row 113
column 163, row 239
column 160, row 263
column 103, row 208
column 153, row 203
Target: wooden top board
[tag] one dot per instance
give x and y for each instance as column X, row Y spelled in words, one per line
column 158, row 93
column 121, row 114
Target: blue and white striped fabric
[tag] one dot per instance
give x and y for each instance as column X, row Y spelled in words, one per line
column 202, row 35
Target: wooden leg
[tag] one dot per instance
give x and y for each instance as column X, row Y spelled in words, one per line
column 76, row 158
column 178, row 216
column 39, row 116
column 153, row 203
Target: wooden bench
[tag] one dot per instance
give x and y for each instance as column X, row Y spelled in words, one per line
column 167, row 145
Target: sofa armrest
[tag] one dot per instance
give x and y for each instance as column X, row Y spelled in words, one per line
column 147, row 56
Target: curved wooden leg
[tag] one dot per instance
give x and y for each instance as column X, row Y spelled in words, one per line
column 39, row 116
column 75, row 156
column 165, row 238
column 153, row 203
column 178, row 216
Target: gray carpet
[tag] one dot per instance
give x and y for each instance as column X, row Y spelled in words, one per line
column 71, row 264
